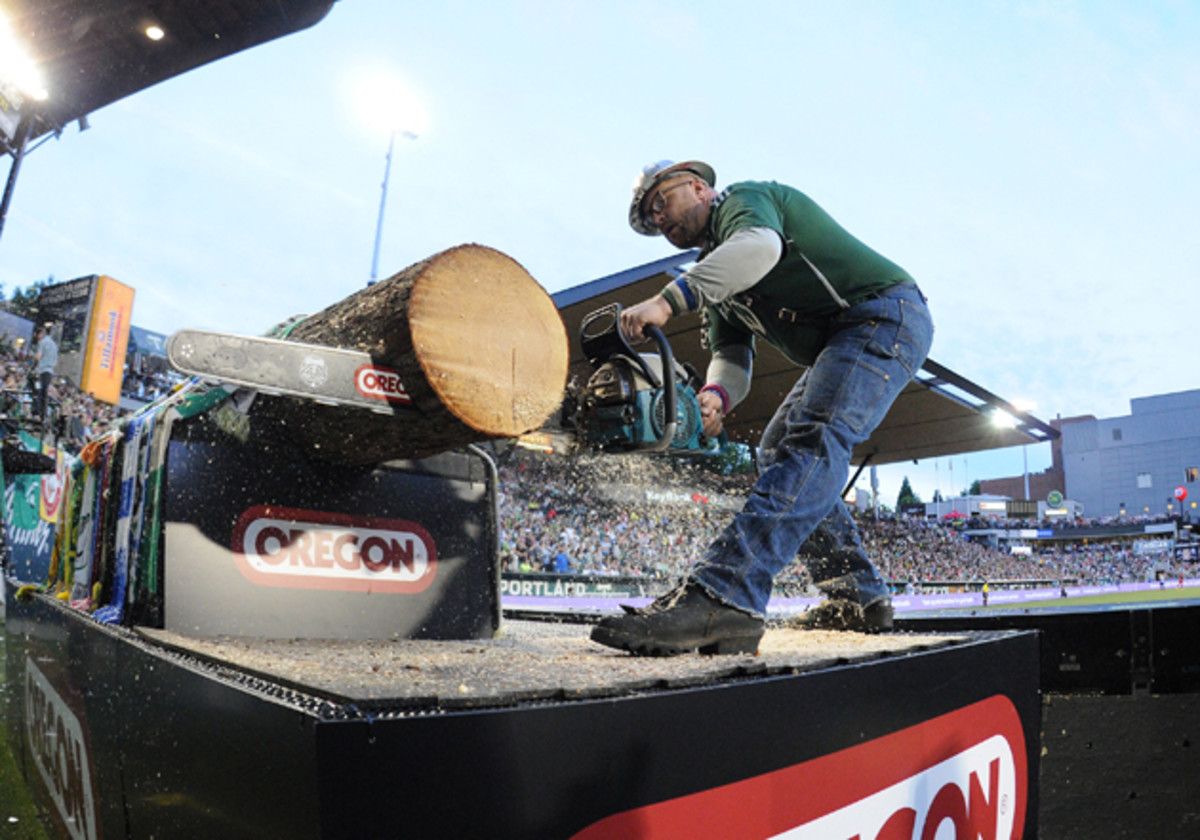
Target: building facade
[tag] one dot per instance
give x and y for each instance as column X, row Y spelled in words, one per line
column 1133, row 465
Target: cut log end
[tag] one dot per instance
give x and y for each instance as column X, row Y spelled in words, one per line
column 489, row 340
column 479, row 345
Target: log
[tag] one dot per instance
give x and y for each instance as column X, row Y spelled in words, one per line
column 479, row 346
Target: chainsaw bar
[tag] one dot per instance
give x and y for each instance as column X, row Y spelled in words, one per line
column 326, row 375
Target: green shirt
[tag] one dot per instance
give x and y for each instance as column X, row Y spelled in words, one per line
column 790, row 306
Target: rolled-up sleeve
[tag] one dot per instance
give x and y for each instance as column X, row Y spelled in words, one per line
column 731, row 369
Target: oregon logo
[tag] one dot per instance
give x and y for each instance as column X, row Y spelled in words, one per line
column 306, row 549
column 381, row 384
column 59, row 751
column 963, row 774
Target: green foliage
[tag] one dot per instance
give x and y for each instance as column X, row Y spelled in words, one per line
column 735, row 459
column 24, row 301
column 907, row 496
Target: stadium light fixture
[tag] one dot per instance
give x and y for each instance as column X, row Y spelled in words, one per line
column 1001, row 419
column 387, row 105
column 1006, row 419
column 17, row 66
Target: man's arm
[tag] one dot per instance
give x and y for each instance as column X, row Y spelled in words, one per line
column 727, row 384
column 733, row 266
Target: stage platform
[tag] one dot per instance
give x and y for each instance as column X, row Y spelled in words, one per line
column 535, row 733
column 528, row 661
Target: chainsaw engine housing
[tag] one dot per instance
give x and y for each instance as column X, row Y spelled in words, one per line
column 621, row 409
column 635, row 401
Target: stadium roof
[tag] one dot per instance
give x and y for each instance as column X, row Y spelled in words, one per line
column 94, row 52
column 939, row 413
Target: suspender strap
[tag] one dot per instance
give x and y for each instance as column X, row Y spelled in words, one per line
column 841, row 301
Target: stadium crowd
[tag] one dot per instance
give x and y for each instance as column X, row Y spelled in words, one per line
column 559, row 514
column 913, row 550
column 77, row 415
column 554, row 516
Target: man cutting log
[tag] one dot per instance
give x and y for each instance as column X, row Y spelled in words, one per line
column 775, row 267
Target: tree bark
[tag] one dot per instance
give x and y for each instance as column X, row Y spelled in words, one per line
column 479, row 346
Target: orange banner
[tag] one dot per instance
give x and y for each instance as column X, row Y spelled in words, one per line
column 108, row 338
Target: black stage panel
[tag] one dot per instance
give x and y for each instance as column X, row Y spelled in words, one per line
column 171, row 745
column 1120, row 766
column 1107, row 650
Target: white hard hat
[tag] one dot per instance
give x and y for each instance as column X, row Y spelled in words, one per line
column 653, row 175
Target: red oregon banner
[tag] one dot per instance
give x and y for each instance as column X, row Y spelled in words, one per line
column 965, row 770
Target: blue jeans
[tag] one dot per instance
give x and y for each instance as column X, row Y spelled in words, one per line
column 872, row 350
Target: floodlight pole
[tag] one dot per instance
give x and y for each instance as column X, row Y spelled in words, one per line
column 18, row 155
column 387, row 172
column 1025, row 456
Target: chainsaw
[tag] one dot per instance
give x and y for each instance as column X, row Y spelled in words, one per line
column 631, row 402
column 635, row 402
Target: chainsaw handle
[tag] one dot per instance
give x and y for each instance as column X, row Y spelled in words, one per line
column 601, row 338
column 670, row 415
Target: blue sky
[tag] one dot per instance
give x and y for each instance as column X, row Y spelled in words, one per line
column 1034, row 164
